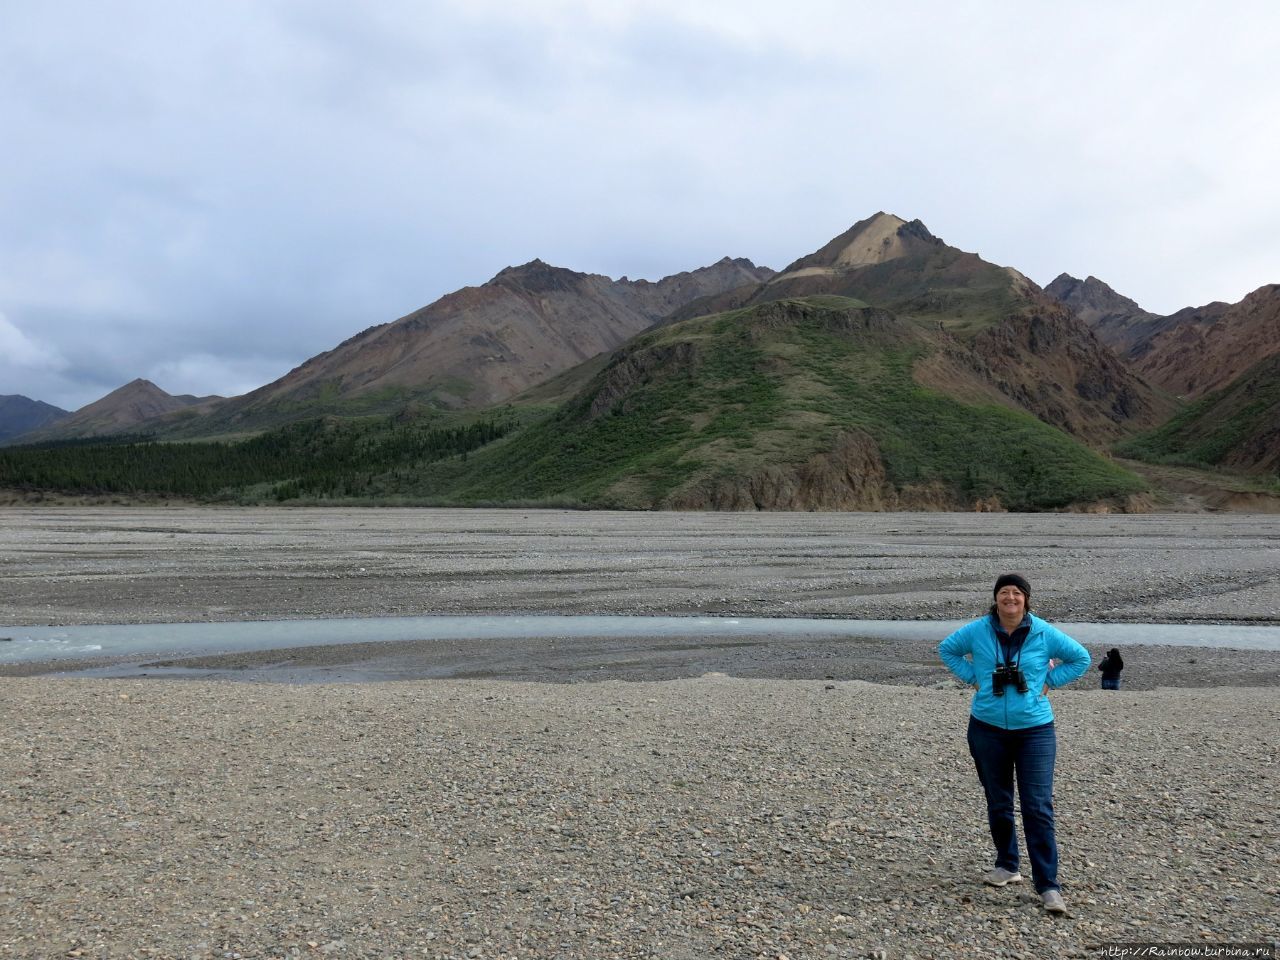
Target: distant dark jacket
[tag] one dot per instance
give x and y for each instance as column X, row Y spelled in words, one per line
column 1111, row 665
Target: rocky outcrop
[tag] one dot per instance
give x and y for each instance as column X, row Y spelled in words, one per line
column 849, row 476
column 1043, row 362
column 637, row 368
column 854, row 321
column 1116, row 320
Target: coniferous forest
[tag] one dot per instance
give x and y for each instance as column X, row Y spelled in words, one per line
column 314, row 459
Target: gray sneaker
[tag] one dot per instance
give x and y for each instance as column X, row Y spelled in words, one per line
column 1000, row 876
column 1053, row 902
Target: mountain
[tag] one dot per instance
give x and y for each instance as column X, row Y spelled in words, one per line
column 1206, row 349
column 478, row 346
column 19, row 415
column 885, row 370
column 998, row 333
column 1237, row 427
column 795, row 404
column 123, row 410
column 1223, row 357
column 1138, row 336
column 1189, row 353
column 1118, row 321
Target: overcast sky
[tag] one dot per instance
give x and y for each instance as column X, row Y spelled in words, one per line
column 207, row 194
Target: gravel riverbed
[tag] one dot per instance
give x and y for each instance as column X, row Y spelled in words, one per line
column 749, row 800
column 159, row 565
column 709, row 817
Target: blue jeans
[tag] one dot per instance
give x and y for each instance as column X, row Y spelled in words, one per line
column 1110, row 683
column 1027, row 755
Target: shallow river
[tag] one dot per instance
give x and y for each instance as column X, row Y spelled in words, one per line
column 27, row 644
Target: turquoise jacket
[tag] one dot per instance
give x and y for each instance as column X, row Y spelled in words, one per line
column 973, row 651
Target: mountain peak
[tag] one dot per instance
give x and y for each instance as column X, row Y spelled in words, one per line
column 121, row 410
column 139, row 385
column 537, row 276
column 1092, row 299
column 137, row 396
column 878, row 239
column 1065, row 282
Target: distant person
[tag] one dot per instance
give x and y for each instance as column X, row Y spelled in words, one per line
column 1111, row 666
column 1006, row 655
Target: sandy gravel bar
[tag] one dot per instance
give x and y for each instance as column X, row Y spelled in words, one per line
column 149, row 564
column 710, row 817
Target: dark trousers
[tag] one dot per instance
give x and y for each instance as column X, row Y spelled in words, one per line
column 1110, row 683
column 1027, row 756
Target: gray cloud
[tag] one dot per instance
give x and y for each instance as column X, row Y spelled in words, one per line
column 211, row 194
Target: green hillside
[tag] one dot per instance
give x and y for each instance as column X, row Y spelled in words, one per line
column 732, row 394
column 318, row 400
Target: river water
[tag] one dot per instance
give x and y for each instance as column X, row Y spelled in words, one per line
column 29, row 644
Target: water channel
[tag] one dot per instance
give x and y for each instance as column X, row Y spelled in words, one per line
column 47, row 643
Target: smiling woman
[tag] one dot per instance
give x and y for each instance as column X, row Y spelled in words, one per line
column 1013, row 600
column 1014, row 659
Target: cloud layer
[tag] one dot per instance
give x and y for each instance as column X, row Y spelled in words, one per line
column 207, row 195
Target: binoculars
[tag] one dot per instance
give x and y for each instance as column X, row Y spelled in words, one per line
column 1006, row 676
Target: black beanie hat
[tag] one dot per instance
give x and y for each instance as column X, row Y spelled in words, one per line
column 1013, row 580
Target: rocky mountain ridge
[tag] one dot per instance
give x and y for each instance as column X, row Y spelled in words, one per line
column 1118, row 321
column 479, row 346
column 1190, row 353
column 1205, row 349
column 1221, row 359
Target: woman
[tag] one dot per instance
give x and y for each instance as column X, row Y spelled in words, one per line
column 1006, row 655
column 1111, row 666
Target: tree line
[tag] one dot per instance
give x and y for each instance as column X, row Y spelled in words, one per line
column 322, row 458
